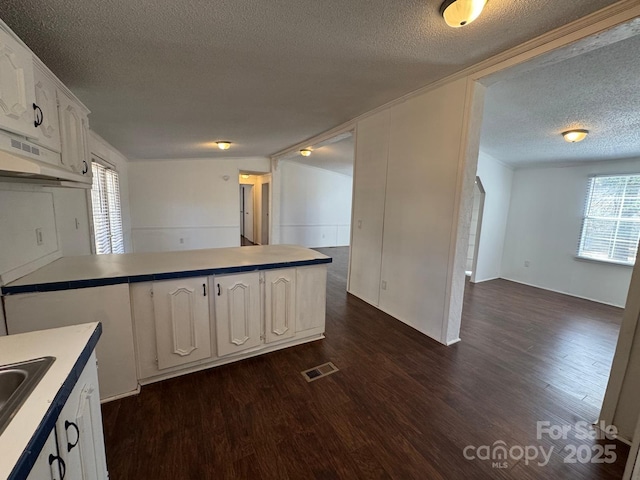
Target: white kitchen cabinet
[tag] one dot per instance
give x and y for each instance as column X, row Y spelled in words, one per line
column 47, row 465
column 280, row 304
column 16, row 88
column 181, row 310
column 79, row 429
column 74, row 126
column 238, row 315
column 47, row 102
column 75, row 449
column 110, row 305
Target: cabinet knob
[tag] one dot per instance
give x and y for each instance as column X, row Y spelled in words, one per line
column 39, row 116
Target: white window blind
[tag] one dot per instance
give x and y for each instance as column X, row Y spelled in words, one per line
column 107, row 217
column 611, row 226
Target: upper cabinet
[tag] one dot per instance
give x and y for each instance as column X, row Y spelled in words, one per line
column 74, row 127
column 42, row 123
column 17, row 93
column 46, row 110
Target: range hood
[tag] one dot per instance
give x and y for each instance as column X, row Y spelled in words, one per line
column 23, row 161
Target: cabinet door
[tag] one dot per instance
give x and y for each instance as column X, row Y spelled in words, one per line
column 79, row 427
column 237, row 307
column 48, row 464
column 182, row 321
column 16, row 88
column 73, row 136
column 280, row 305
column 45, row 92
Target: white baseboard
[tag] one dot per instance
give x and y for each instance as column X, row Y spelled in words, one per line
column 453, row 342
column 561, row 292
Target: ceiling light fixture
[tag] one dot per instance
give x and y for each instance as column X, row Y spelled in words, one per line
column 244, row 175
column 305, row 152
column 458, row 13
column 224, row 145
column 574, row 136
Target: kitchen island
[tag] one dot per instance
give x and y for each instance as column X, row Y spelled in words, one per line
column 166, row 314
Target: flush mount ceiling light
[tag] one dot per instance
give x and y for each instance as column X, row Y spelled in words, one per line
column 574, row 136
column 244, row 175
column 458, row 13
column 224, row 145
column 305, row 152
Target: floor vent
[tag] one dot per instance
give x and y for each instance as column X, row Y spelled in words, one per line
column 320, row 371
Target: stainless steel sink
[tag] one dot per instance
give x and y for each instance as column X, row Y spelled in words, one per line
column 17, row 381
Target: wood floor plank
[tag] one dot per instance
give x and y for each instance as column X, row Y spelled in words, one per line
column 402, row 406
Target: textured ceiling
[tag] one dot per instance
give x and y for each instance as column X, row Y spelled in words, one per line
column 337, row 157
column 599, row 91
column 164, row 77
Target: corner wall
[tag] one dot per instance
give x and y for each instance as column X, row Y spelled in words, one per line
column 497, row 180
column 411, row 163
column 545, row 221
column 187, row 204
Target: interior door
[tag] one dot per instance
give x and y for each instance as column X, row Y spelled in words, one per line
column 242, row 210
column 264, row 237
column 248, row 212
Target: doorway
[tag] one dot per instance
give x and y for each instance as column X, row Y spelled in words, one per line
column 264, row 212
column 246, row 215
column 475, row 230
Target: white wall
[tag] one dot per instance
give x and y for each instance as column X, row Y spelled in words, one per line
column 24, row 209
column 497, row 181
column 545, row 219
column 187, row 204
column 315, row 206
column 72, row 220
column 411, row 158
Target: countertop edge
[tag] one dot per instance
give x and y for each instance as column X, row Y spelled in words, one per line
column 33, row 448
column 101, row 282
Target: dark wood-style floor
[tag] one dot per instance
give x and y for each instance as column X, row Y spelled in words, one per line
column 402, row 406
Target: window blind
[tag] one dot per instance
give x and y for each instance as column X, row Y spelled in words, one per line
column 611, row 225
column 107, row 215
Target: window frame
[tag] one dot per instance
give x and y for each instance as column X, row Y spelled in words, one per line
column 585, row 217
column 104, row 163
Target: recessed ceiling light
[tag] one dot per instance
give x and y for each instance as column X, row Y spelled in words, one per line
column 224, row 145
column 574, row 136
column 305, row 152
column 458, row 13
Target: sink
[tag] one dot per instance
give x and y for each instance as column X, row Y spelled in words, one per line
column 17, row 381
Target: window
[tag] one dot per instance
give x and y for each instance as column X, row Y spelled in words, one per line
column 611, row 227
column 107, row 218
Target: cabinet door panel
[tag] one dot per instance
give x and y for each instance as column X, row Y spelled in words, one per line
column 16, row 88
column 45, row 93
column 79, row 427
column 237, row 308
column 280, row 309
column 182, row 321
column 73, row 133
column 43, row 469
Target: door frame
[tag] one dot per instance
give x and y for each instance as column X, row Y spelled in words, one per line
column 476, row 247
